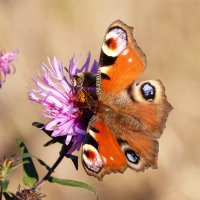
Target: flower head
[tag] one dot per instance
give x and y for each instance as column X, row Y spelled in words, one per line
column 5, row 64
column 28, row 194
column 56, row 94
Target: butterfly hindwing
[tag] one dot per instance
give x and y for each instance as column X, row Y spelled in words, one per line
column 146, row 104
column 140, row 150
column 105, row 151
column 150, row 105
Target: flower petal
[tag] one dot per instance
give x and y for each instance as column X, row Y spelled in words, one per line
column 56, row 94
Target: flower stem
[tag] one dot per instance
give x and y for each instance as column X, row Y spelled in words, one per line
column 1, row 193
column 63, row 153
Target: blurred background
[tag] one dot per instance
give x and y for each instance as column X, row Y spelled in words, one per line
column 167, row 31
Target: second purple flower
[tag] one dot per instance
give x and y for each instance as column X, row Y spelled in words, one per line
column 5, row 64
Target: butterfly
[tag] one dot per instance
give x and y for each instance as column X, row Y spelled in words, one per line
column 129, row 117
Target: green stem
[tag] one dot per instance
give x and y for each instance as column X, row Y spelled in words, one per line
column 63, row 153
column 1, row 193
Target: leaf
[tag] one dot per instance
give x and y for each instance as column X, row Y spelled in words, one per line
column 38, row 159
column 4, row 185
column 74, row 160
column 42, row 127
column 59, row 139
column 7, row 196
column 50, row 142
column 30, row 176
column 73, row 184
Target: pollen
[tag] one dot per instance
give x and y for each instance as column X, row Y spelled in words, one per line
column 82, row 97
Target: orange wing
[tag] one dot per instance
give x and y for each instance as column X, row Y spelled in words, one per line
column 146, row 102
column 121, row 60
column 150, row 105
column 105, row 152
column 130, row 117
column 140, row 149
column 101, row 152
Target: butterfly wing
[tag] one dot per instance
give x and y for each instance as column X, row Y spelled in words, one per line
column 149, row 104
column 130, row 117
column 105, row 151
column 121, row 60
column 144, row 103
column 140, row 150
column 101, row 152
column 137, row 117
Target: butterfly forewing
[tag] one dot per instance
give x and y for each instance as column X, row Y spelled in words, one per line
column 121, row 60
column 101, row 152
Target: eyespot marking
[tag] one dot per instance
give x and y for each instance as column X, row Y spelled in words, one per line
column 132, row 156
column 91, row 159
column 134, row 160
column 148, row 91
column 111, row 43
column 115, row 42
column 151, row 91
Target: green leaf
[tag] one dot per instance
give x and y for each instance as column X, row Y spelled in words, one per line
column 26, row 155
column 4, row 185
column 30, row 176
column 7, row 196
column 73, row 184
column 74, row 159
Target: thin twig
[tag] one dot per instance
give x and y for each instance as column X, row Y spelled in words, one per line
column 63, row 153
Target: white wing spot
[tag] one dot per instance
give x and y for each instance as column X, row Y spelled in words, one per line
column 104, row 69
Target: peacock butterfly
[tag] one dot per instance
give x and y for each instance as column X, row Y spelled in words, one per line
column 129, row 117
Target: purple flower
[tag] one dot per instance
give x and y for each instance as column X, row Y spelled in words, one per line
column 73, row 66
column 56, row 94
column 5, row 60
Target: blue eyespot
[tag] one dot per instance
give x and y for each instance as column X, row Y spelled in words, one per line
column 132, row 156
column 148, row 91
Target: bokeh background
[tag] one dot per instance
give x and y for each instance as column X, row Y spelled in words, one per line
column 168, row 31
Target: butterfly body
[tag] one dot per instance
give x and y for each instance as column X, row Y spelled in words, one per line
column 128, row 117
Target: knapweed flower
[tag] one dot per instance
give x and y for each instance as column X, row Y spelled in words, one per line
column 5, row 64
column 55, row 92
